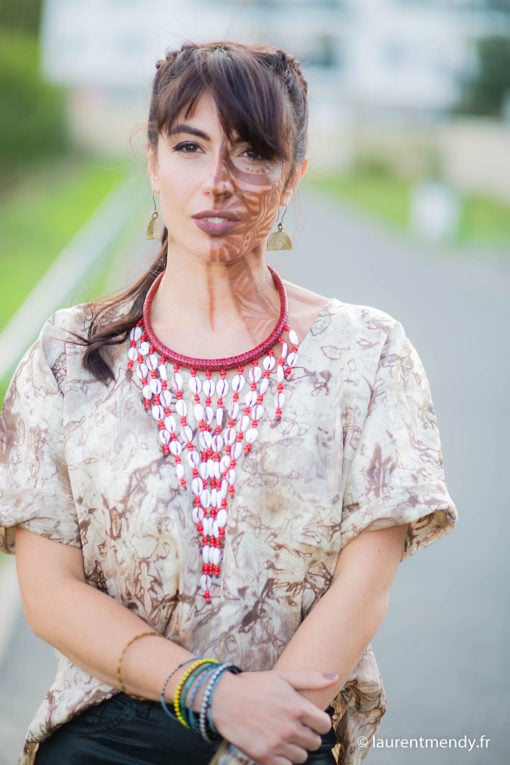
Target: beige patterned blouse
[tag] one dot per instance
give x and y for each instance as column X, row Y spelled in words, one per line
column 357, row 448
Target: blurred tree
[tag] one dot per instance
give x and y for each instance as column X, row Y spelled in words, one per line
column 21, row 14
column 31, row 110
column 484, row 90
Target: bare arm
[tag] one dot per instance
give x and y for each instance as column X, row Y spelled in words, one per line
column 340, row 626
column 265, row 715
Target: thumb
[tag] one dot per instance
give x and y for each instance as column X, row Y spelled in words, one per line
column 308, row 679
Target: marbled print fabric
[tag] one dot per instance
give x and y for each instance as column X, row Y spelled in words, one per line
column 357, row 448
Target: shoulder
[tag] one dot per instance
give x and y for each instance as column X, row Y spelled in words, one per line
column 361, row 321
column 69, row 321
column 63, row 331
column 317, row 314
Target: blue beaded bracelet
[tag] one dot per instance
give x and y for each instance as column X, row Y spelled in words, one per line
column 206, row 726
column 165, row 686
column 193, row 718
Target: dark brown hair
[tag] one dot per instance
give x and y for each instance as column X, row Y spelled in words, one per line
column 261, row 96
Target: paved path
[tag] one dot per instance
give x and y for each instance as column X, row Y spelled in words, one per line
column 441, row 647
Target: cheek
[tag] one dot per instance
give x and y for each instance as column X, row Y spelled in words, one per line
column 261, row 193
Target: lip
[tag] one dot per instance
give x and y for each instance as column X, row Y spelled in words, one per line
column 216, row 222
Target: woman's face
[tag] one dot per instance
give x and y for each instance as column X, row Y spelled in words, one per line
column 218, row 199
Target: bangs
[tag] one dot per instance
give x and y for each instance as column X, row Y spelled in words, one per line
column 250, row 98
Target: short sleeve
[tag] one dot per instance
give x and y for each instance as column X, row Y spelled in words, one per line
column 34, row 484
column 394, row 469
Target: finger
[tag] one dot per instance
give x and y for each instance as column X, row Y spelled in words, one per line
column 307, row 738
column 308, row 679
column 295, row 753
column 318, row 721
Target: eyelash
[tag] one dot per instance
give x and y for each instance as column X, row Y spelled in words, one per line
column 191, row 147
column 187, row 147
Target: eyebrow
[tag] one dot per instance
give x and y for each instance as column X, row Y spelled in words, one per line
column 183, row 128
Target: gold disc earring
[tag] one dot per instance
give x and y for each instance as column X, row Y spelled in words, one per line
column 280, row 240
column 152, row 231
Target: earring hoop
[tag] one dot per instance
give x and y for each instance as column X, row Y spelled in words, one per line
column 152, row 231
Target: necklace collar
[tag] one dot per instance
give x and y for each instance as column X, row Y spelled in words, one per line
column 215, row 365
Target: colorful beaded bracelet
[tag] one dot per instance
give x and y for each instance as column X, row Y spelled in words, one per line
column 180, row 686
column 206, row 726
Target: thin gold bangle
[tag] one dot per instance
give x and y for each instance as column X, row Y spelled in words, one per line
column 120, row 679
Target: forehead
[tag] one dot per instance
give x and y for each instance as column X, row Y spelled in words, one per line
column 202, row 112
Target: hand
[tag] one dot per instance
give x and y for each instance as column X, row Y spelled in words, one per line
column 264, row 714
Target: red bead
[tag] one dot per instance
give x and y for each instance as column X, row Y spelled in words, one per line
column 207, row 596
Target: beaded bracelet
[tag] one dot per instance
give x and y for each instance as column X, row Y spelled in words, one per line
column 206, row 726
column 180, row 685
column 190, row 683
column 193, row 718
column 165, row 685
column 120, row 679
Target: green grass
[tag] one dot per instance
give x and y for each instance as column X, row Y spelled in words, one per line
column 483, row 221
column 387, row 199
column 41, row 216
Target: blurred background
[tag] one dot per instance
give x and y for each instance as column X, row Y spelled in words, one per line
column 406, row 206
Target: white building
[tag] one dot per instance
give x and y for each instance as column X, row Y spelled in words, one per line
column 376, row 58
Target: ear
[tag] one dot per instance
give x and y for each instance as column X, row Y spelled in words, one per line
column 152, row 167
column 293, row 182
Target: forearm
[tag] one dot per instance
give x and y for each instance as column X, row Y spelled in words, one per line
column 333, row 637
column 88, row 626
column 335, row 633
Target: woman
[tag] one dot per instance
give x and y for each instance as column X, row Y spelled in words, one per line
column 216, row 471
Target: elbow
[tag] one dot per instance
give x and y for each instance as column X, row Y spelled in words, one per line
column 34, row 616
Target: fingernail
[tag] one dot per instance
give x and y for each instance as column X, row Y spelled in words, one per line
column 328, row 676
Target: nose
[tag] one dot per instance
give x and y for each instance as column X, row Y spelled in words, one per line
column 219, row 182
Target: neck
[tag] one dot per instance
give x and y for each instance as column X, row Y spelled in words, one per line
column 212, row 297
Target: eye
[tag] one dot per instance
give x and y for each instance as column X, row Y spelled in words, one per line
column 187, row 147
column 252, row 155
